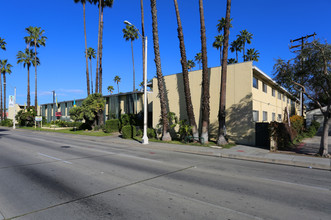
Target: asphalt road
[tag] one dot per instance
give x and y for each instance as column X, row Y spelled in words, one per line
column 54, row 176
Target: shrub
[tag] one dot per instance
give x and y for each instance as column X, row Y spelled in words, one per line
column 125, row 120
column 297, row 123
column 85, row 126
column 128, row 131
column 139, row 133
column 26, row 117
column 7, row 122
column 282, row 134
column 315, row 124
column 151, row 133
column 112, row 125
column 184, row 129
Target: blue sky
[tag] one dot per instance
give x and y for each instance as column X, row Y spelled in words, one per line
column 272, row 23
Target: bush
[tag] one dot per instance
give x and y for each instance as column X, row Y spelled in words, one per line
column 7, row 122
column 184, row 129
column 315, row 124
column 297, row 123
column 125, row 120
column 139, row 133
column 282, row 134
column 151, row 133
column 85, row 126
column 112, row 125
column 128, row 131
column 26, row 117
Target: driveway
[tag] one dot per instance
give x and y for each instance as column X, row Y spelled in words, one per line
column 310, row 146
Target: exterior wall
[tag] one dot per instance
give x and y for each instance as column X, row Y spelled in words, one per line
column 238, row 106
column 266, row 102
column 11, row 111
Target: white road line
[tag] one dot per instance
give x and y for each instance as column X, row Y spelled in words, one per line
column 45, row 155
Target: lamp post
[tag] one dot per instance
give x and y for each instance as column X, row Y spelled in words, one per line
column 144, row 38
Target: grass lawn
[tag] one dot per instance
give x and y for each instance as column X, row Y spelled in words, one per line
column 70, row 131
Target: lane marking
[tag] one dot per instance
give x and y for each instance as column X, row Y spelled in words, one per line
column 64, row 161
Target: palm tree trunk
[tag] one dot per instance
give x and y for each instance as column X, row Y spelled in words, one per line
column 28, row 92
column 187, row 91
column 165, row 132
column 91, row 76
column 324, row 151
column 221, row 114
column 134, row 78
column 1, row 109
column 100, row 51
column 87, row 73
column 221, row 55
column 35, row 79
column 205, row 78
column 4, row 96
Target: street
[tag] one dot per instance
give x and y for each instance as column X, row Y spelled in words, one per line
column 56, row 176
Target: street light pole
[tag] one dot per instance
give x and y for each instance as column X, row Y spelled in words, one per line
column 14, row 120
column 144, row 38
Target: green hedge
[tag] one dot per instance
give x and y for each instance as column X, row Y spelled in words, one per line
column 151, row 133
column 128, row 131
column 7, row 122
column 112, row 125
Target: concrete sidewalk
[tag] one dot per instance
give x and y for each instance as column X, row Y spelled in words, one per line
column 241, row 152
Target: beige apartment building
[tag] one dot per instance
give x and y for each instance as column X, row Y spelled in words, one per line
column 251, row 97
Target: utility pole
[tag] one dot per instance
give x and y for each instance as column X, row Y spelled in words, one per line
column 303, row 42
column 53, row 105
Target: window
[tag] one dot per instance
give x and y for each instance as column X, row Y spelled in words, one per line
column 279, row 96
column 283, row 98
column 273, row 92
column 265, row 87
column 273, row 116
column 279, row 118
column 265, row 116
column 288, row 100
column 255, row 83
column 255, row 115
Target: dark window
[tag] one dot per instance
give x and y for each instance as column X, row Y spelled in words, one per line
column 255, row 83
column 273, row 92
column 265, row 88
column 265, row 116
column 255, row 115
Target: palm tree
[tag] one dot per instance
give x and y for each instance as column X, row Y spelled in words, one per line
column 130, row 33
column 190, row 65
column 110, row 89
column 90, row 55
column 205, row 78
column 5, row 67
column 187, row 90
column 165, row 123
column 218, row 43
column 244, row 37
column 117, row 80
column 236, row 45
column 35, row 39
column 101, row 5
column 221, row 24
column 198, row 59
column 27, row 58
column 2, row 44
column 221, row 114
column 252, row 54
column 232, row 61
column 143, row 34
column 87, row 73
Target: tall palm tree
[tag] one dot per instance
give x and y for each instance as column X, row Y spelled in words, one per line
column 218, row 43
column 245, row 37
column 130, row 33
column 232, row 61
column 2, row 44
column 221, row 114
column 190, row 64
column 27, row 58
column 205, row 78
column 91, row 54
column 252, row 54
column 165, row 123
column 117, row 80
column 198, row 59
column 87, row 73
column 221, row 24
column 36, row 39
column 143, row 34
column 3, row 47
column 184, row 62
column 5, row 67
column 101, row 5
column 237, row 46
